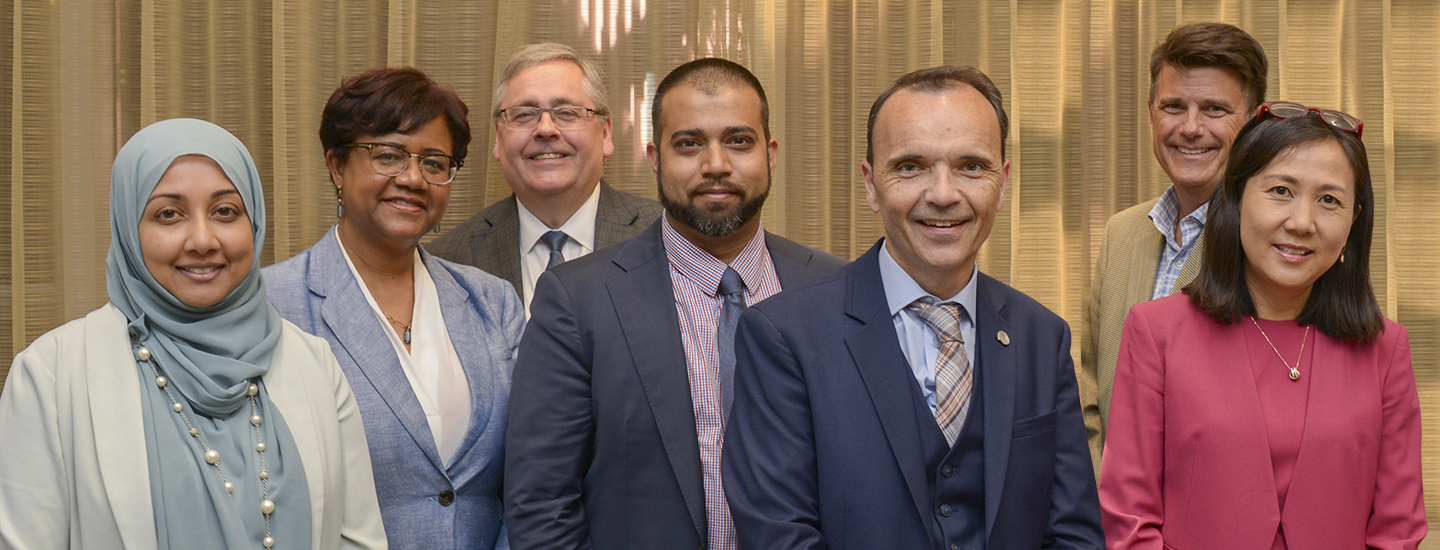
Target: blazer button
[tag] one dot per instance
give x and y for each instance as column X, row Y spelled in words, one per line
column 945, row 510
column 947, row 471
column 954, row 547
column 446, row 497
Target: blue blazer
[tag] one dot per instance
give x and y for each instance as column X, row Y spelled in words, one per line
column 423, row 503
column 603, row 452
column 822, row 449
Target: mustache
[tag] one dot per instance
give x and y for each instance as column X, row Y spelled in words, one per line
column 712, row 185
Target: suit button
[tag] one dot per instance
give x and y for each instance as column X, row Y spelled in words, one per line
column 954, row 547
column 945, row 510
column 446, row 497
column 947, row 471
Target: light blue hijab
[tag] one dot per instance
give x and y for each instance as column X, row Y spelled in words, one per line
column 210, row 356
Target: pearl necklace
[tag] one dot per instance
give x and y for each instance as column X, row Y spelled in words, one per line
column 1294, row 370
column 212, row 457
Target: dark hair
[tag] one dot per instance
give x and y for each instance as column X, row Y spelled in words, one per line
column 1342, row 303
column 935, row 80
column 1213, row 45
column 708, row 75
column 382, row 101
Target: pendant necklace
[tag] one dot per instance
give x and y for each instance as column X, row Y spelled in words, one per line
column 212, row 457
column 403, row 337
column 1294, row 370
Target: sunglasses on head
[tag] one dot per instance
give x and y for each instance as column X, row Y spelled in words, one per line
column 1285, row 109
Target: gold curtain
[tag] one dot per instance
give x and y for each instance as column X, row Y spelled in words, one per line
column 82, row 75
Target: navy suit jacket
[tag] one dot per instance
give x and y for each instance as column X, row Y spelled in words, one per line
column 602, row 449
column 822, row 449
column 424, row 503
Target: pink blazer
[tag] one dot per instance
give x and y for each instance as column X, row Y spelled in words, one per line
column 1187, row 461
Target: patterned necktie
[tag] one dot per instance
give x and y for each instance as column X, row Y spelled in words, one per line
column 952, row 367
column 555, row 240
column 732, row 292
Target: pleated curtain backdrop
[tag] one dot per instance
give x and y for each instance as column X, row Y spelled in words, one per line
column 82, row 76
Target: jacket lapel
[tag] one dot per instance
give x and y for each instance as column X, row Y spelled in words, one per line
column 612, row 215
column 476, row 358
column 119, row 427
column 348, row 315
column 876, row 351
column 1191, row 269
column 998, row 382
column 1231, row 381
column 289, row 391
column 1144, row 257
column 645, row 304
column 497, row 245
column 790, row 261
column 1335, row 375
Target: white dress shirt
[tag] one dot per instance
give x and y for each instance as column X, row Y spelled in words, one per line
column 917, row 340
column 534, row 255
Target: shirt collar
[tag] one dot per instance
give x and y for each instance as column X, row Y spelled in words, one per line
column 1167, row 208
column 901, row 289
column 580, row 227
column 705, row 269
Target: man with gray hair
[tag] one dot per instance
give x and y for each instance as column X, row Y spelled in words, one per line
column 552, row 136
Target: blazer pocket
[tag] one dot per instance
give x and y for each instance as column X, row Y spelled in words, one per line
column 1026, row 427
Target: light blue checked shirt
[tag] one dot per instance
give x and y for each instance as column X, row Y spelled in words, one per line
column 1173, row 256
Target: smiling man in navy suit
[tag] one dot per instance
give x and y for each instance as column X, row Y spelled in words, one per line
column 623, row 375
column 907, row 400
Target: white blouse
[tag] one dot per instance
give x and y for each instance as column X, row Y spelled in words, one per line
column 431, row 364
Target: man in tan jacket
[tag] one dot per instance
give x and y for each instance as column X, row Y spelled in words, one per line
column 1206, row 80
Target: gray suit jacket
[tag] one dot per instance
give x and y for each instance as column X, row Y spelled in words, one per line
column 424, row 503
column 602, row 450
column 490, row 240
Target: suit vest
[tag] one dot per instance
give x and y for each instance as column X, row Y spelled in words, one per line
column 955, row 476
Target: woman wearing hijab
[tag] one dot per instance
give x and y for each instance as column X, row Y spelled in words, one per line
column 184, row 413
column 426, row 344
column 1271, row 405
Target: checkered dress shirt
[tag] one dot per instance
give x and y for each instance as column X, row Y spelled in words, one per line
column 1173, row 256
column 695, row 277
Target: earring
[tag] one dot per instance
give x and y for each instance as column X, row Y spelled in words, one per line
column 339, row 204
column 437, row 228
column 1342, row 257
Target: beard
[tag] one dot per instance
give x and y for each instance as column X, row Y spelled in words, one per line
column 718, row 221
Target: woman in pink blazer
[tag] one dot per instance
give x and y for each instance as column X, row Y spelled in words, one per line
column 1271, row 406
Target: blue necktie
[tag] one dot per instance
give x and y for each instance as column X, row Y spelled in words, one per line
column 732, row 292
column 555, row 240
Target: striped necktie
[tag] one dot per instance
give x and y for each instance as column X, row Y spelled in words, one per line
column 952, row 368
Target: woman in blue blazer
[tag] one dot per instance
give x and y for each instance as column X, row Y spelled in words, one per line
column 427, row 345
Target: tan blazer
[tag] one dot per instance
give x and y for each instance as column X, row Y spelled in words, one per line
column 73, row 470
column 1124, row 276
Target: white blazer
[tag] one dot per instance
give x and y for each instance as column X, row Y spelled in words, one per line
column 73, row 470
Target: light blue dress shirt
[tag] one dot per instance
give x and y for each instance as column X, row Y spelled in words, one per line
column 917, row 340
column 1175, row 253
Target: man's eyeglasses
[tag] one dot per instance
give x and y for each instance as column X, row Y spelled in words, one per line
column 391, row 161
column 566, row 117
column 1285, row 109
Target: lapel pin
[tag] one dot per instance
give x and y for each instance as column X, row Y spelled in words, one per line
column 1003, row 338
